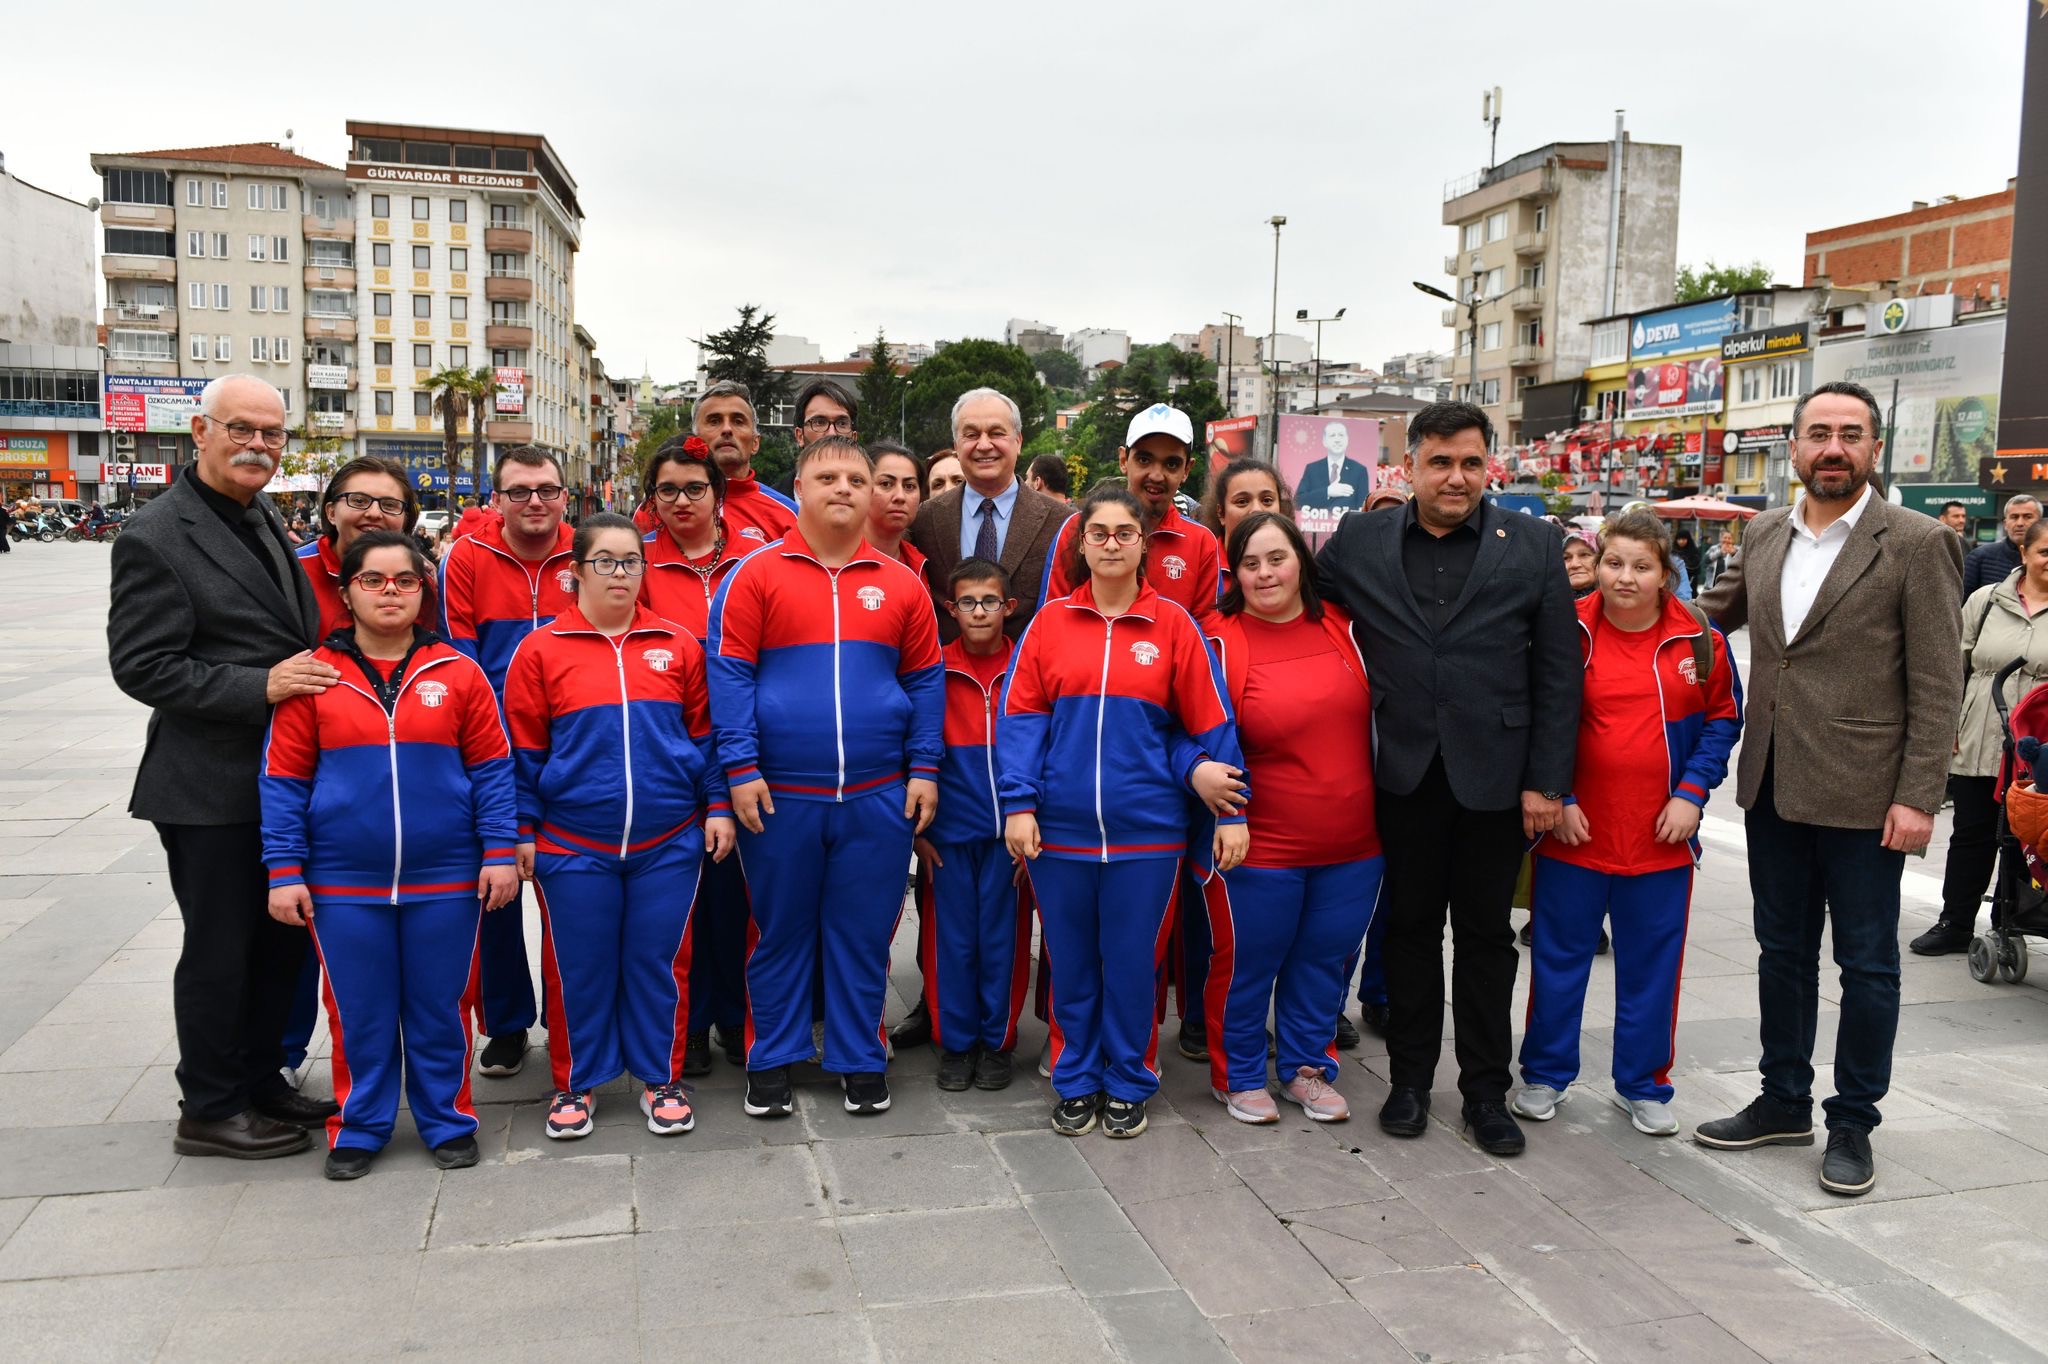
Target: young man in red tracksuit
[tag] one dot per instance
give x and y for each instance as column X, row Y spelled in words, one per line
column 499, row 585
column 754, row 513
column 974, row 924
column 828, row 700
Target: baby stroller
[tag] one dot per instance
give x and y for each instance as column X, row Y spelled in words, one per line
column 2019, row 907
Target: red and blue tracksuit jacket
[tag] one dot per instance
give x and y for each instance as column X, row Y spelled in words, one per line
column 1182, row 564
column 491, row 599
column 675, row 590
column 611, row 738
column 969, row 807
column 322, row 567
column 755, row 515
column 368, row 804
column 826, row 682
column 1104, row 719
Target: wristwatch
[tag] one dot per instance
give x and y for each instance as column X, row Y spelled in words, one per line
column 1551, row 795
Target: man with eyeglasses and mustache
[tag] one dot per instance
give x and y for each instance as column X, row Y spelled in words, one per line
column 210, row 625
column 754, row 513
column 499, row 585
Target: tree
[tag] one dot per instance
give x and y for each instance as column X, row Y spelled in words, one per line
column 1711, row 280
column 665, row 424
column 964, row 365
column 450, row 387
column 776, row 459
column 482, row 391
column 1154, row 374
column 740, row 352
column 1058, row 369
column 881, row 392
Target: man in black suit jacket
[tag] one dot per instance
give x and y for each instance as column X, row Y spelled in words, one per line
column 209, row 627
column 1464, row 617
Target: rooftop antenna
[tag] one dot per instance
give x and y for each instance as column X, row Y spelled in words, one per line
column 1489, row 114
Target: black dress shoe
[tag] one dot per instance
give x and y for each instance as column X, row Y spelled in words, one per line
column 1374, row 1016
column 956, row 1070
column 992, row 1070
column 1847, row 1168
column 1494, row 1129
column 1406, row 1112
column 1943, row 939
column 288, row 1105
column 1347, row 1033
column 914, row 1031
column 348, row 1162
column 246, row 1136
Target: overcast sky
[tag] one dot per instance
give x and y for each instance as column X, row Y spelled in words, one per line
column 937, row 168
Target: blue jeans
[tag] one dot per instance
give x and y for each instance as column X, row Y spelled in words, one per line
column 1798, row 872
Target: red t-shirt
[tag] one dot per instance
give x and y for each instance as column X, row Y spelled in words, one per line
column 1306, row 729
column 985, row 667
column 1623, row 761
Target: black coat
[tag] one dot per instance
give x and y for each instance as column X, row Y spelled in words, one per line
column 1497, row 691
column 194, row 628
column 1991, row 563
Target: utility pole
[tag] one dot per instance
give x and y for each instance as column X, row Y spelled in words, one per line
column 1230, row 325
column 1302, row 316
column 1891, row 428
column 1278, row 221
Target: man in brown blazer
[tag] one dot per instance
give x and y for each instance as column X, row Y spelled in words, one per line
column 991, row 516
column 1853, row 699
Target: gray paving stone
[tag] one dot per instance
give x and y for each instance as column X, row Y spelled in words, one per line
column 1027, row 1329
column 1580, row 1290
column 1976, row 1329
column 901, row 1174
column 12, row 1212
column 726, row 1274
column 698, row 1188
column 112, row 1233
column 1491, row 1209
column 1950, row 1242
column 114, row 1317
column 489, row 1295
column 1043, row 1162
column 1332, row 1332
column 535, row 1201
column 1163, row 1162
column 842, row 1338
column 1162, row 1326
column 1096, row 1244
column 961, row 1253
column 1392, row 1229
column 1681, row 1340
column 113, row 1002
column 1455, row 1313
column 1958, row 1154
column 1231, row 1254
column 87, row 1046
column 386, row 1212
column 64, row 1098
column 137, row 966
column 916, row 1108
column 256, row 1311
column 1294, row 1179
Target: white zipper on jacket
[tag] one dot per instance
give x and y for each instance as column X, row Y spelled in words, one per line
column 391, row 749
column 532, row 577
column 838, row 716
column 625, row 738
column 988, row 735
column 1101, row 705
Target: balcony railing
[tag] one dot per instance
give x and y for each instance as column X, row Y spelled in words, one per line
column 514, row 318
column 509, row 274
column 499, row 219
column 1531, row 243
column 346, row 308
column 1525, row 354
column 1528, row 298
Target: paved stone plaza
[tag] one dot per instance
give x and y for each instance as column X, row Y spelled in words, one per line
column 957, row 1227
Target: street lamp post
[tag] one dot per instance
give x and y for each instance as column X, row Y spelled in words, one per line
column 1302, row 316
column 1230, row 326
column 1471, row 327
column 1278, row 221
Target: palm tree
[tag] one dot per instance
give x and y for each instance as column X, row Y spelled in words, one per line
column 450, row 388
column 481, row 387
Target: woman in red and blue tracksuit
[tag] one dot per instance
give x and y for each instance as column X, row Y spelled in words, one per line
column 620, row 796
column 1113, row 703
column 388, row 814
column 1659, row 680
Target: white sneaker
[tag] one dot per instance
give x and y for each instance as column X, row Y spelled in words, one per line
column 291, row 1077
column 1648, row 1116
column 1537, row 1102
column 1254, row 1106
column 1045, row 1059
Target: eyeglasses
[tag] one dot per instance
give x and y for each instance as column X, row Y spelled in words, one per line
column 1101, row 535
column 372, row 581
column 390, row 506
column 669, row 492
column 242, row 433
column 1852, row 437
column 605, row 566
column 838, row 426
column 977, row 605
column 546, row 492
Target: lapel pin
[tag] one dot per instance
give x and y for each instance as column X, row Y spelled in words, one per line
column 1501, row 531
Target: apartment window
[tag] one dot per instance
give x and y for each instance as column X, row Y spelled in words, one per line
column 1496, row 225
column 458, row 259
column 285, row 397
column 198, row 351
column 1496, row 282
column 380, row 205
column 220, row 244
column 128, row 241
column 423, row 258
column 195, row 194
column 505, row 264
column 1752, row 383
column 458, row 307
column 1464, row 342
column 1489, row 336
column 220, row 297
column 505, row 215
column 330, row 303
column 380, row 353
column 255, row 196
column 423, row 357
column 259, row 298
column 279, row 198
column 422, row 208
column 458, row 356
column 1542, row 218
column 475, row 158
column 1475, row 235
column 513, row 159
column 1532, row 276
column 1610, row 341
column 380, row 253
column 1785, row 379
column 383, row 401
column 280, row 249
column 1529, row 334
column 223, row 347
column 380, row 304
column 195, row 294
column 259, row 348
column 423, row 404
column 220, row 194
column 280, row 299
column 1756, row 313
column 195, row 243
column 135, row 187
column 1489, row 391
column 281, row 351
column 422, row 305
column 257, row 248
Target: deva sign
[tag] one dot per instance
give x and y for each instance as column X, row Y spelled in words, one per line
column 1681, row 330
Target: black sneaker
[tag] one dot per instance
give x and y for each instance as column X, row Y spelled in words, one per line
column 1347, row 1033
column 1766, row 1122
column 914, row 1031
column 768, row 1093
column 1375, row 1016
column 731, row 1041
column 992, row 1070
column 504, row 1055
column 1847, row 1168
column 1527, row 936
column 1943, row 939
column 956, row 1070
column 866, row 1092
column 1600, row 949
column 1121, row 1118
column 1075, row 1117
column 1193, row 1042
column 348, row 1162
column 459, row 1154
column 697, row 1054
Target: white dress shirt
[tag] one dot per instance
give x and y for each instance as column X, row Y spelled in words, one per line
column 1808, row 558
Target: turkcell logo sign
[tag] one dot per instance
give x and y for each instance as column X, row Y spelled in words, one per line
column 1676, row 331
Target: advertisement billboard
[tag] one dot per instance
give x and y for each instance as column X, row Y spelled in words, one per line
column 1679, row 388
column 1329, row 463
column 1948, row 389
column 1768, row 344
column 132, row 474
column 326, row 376
column 511, row 390
column 140, row 402
column 426, row 464
column 1676, row 331
column 1231, row 439
column 25, row 452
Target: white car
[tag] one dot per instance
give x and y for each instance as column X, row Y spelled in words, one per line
column 432, row 522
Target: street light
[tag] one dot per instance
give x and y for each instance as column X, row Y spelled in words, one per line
column 1471, row 327
column 1278, row 221
column 1231, row 322
column 1302, row 316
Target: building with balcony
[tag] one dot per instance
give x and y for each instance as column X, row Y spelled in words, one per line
column 49, row 349
column 1534, row 245
column 464, row 256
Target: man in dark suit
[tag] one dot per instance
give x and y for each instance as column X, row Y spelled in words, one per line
column 993, row 515
column 209, row 627
column 1335, row 482
column 1465, row 620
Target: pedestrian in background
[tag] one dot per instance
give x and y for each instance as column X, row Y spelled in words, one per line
column 1994, row 561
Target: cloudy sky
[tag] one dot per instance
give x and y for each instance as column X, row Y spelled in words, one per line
column 937, row 168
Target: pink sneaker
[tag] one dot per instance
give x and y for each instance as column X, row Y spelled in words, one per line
column 668, row 1109
column 1249, row 1105
column 570, row 1115
column 1320, row 1102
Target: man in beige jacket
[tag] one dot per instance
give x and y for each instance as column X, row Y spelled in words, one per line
column 1853, row 697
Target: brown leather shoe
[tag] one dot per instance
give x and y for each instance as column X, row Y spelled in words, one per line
column 290, row 1106
column 246, row 1136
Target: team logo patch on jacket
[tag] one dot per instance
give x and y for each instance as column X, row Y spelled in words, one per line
column 872, row 597
column 566, row 580
column 1144, row 651
column 1176, row 567
column 1689, row 670
column 658, row 659
column 431, row 693
column 751, row 533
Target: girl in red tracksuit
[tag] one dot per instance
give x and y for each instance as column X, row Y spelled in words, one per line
column 383, row 796
column 1658, row 679
column 620, row 797
column 1112, row 717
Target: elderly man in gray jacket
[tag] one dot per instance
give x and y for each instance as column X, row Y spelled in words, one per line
column 209, row 626
column 1853, row 696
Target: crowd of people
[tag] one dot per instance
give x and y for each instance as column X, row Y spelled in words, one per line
column 1206, row 764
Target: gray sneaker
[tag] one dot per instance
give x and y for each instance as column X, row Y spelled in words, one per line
column 1537, row 1102
column 1649, row 1117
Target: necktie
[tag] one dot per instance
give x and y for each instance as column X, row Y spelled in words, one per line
column 985, row 538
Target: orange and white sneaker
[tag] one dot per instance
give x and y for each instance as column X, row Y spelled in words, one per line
column 1320, row 1102
column 1254, row 1106
column 571, row 1114
column 668, row 1110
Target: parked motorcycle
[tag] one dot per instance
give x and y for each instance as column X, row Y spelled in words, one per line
column 85, row 530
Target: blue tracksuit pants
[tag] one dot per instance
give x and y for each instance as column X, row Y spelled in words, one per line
column 1284, row 936
column 976, row 932
column 1648, row 916
column 825, row 880
column 615, row 944
column 1107, row 926
column 718, row 949
column 504, row 1002
column 397, row 977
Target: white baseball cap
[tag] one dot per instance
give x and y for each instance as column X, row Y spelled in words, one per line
column 1161, row 419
